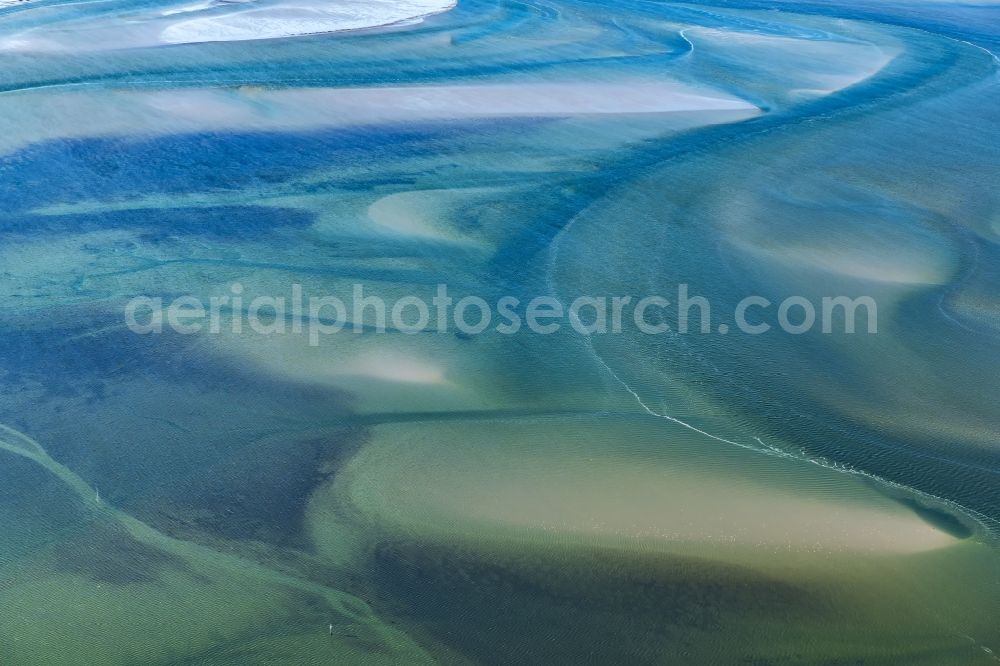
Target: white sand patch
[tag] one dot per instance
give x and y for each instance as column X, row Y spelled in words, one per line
column 186, row 9
column 380, row 372
column 343, row 360
column 302, row 18
column 426, row 213
column 529, row 99
column 338, row 106
column 28, row 118
column 390, row 367
column 406, row 213
column 219, row 21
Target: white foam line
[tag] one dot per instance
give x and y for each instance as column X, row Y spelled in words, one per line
column 942, row 35
column 989, row 526
column 665, row 416
column 981, row 519
column 690, row 43
column 996, row 59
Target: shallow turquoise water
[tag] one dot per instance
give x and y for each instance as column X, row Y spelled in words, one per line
column 225, row 498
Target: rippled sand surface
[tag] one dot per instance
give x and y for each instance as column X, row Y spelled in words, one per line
column 237, row 497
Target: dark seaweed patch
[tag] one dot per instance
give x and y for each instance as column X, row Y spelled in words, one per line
column 223, row 450
column 222, row 222
column 260, row 491
column 578, row 606
column 943, row 520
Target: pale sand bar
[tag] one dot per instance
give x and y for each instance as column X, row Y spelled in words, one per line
column 123, row 113
column 620, row 487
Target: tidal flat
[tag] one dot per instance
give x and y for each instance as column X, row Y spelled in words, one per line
column 379, row 495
